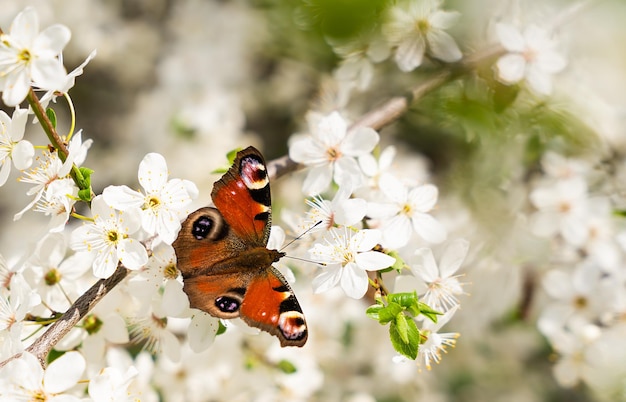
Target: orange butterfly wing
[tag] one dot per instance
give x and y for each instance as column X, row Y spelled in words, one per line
column 221, row 254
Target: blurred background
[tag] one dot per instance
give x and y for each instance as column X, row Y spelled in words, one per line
column 193, row 79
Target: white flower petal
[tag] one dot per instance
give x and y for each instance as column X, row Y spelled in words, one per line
column 48, row 73
column 539, row 81
column 410, row 53
column 52, row 40
column 22, row 155
column 25, row 26
column 354, row 281
column 397, row 231
column 350, row 212
column 423, row 198
column 510, row 37
column 331, row 130
column 429, row 228
column 374, row 260
column 444, row 19
column 64, row 372
column 365, row 240
column 442, row 46
column 453, row 257
column 122, row 197
column 360, row 142
column 425, row 266
column 132, row 254
column 393, row 188
column 327, row 279
column 16, row 88
column 5, row 170
column 511, row 68
column 153, row 172
column 202, row 331
column 317, row 180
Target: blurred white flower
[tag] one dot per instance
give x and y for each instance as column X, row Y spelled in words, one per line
column 436, row 283
column 562, row 208
column 56, row 277
column 29, row 56
column 347, row 256
column 50, row 168
column 26, row 380
column 152, row 333
column 111, row 384
column 359, row 55
column 108, row 239
column 408, row 211
column 532, row 56
column 577, row 360
column 415, row 27
column 330, row 151
column 12, row 147
column 163, row 204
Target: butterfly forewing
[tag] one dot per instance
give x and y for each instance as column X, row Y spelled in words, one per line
column 243, row 197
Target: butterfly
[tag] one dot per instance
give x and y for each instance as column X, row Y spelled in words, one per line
column 222, row 255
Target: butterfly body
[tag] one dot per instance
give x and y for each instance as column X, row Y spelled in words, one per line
column 221, row 252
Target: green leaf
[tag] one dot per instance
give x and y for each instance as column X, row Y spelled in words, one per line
column 428, row 311
column 286, row 367
column 411, row 346
column 230, row 156
column 399, row 264
column 389, row 312
column 221, row 329
column 85, row 195
column 620, row 213
column 52, row 117
column 373, row 311
column 402, row 327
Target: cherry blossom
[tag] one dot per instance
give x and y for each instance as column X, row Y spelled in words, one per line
column 347, row 257
column 532, row 55
column 29, row 56
column 162, row 205
column 331, row 151
column 13, row 148
column 108, row 239
column 418, row 27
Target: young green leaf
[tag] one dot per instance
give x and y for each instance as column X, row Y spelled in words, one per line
column 389, row 312
column 52, row 116
column 409, row 348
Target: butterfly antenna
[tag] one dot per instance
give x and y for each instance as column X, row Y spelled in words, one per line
column 323, row 264
column 300, row 235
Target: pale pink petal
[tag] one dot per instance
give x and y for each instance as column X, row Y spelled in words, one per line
column 64, row 372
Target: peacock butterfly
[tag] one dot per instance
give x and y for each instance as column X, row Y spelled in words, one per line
column 221, row 252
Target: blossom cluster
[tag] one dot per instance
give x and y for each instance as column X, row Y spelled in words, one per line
column 369, row 216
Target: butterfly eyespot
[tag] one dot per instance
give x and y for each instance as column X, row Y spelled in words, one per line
column 227, row 304
column 202, row 227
